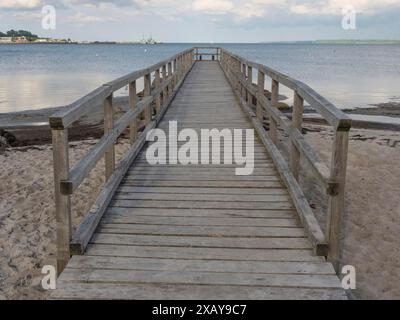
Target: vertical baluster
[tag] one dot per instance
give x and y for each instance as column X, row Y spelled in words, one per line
column 336, row 200
column 170, row 88
column 261, row 87
column 62, row 202
column 132, row 105
column 109, row 156
column 157, row 82
column 273, row 129
column 164, row 80
column 146, row 93
column 297, row 120
column 175, row 74
column 249, row 83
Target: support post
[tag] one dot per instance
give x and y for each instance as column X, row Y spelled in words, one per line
column 132, row 105
column 273, row 128
column 250, row 82
column 170, row 86
column 261, row 87
column 336, row 202
column 297, row 120
column 164, row 79
column 146, row 93
column 109, row 156
column 157, row 82
column 62, row 202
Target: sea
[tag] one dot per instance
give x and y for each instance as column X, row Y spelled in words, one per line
column 36, row 76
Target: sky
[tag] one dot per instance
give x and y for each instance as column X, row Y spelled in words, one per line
column 207, row 20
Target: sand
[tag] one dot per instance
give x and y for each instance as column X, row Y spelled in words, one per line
column 371, row 224
column 27, row 225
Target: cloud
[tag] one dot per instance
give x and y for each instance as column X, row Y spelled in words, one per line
column 80, row 19
column 334, row 7
column 20, row 4
column 213, row 6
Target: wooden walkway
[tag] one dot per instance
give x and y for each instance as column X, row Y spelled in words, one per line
column 200, row 232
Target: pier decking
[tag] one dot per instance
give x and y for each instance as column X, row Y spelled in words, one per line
column 196, row 231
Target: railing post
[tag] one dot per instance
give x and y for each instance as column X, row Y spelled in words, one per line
column 261, row 88
column 157, row 82
column 273, row 129
column 132, row 104
column 164, row 79
column 175, row 74
column 243, row 91
column 250, row 82
column 146, row 93
column 109, row 156
column 170, row 86
column 336, row 201
column 297, row 120
column 62, row 202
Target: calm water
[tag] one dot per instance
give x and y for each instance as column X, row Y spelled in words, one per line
column 38, row 76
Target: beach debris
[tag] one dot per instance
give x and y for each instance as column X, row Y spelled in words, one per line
column 7, row 139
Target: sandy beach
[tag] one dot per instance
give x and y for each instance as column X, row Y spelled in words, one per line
column 371, row 224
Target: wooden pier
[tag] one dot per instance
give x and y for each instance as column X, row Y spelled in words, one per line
column 199, row 231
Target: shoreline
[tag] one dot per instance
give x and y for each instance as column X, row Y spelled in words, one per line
column 31, row 127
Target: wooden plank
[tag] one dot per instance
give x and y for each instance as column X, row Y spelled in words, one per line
column 210, row 184
column 204, row 242
column 202, row 197
column 201, row 204
column 183, row 292
column 194, row 190
column 203, row 278
column 154, row 264
column 200, row 177
column 199, row 231
column 188, row 220
column 192, row 253
column 210, row 214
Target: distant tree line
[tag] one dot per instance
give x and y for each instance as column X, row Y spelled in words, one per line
column 20, row 33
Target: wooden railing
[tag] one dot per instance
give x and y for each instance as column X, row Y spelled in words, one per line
column 207, row 53
column 168, row 76
column 239, row 73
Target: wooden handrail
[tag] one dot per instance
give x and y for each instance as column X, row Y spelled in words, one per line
column 66, row 181
column 238, row 71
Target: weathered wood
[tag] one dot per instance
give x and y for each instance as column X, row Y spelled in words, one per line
column 191, row 226
column 86, row 229
column 336, row 202
column 303, row 208
column 261, row 87
column 88, row 291
column 132, row 104
column 157, row 82
column 297, row 117
column 260, row 267
column 273, row 130
column 147, row 92
column 62, row 202
column 229, row 254
column 109, row 156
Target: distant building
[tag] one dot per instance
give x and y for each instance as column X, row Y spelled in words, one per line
column 6, row 39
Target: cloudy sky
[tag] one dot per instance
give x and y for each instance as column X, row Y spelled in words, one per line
column 205, row 20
